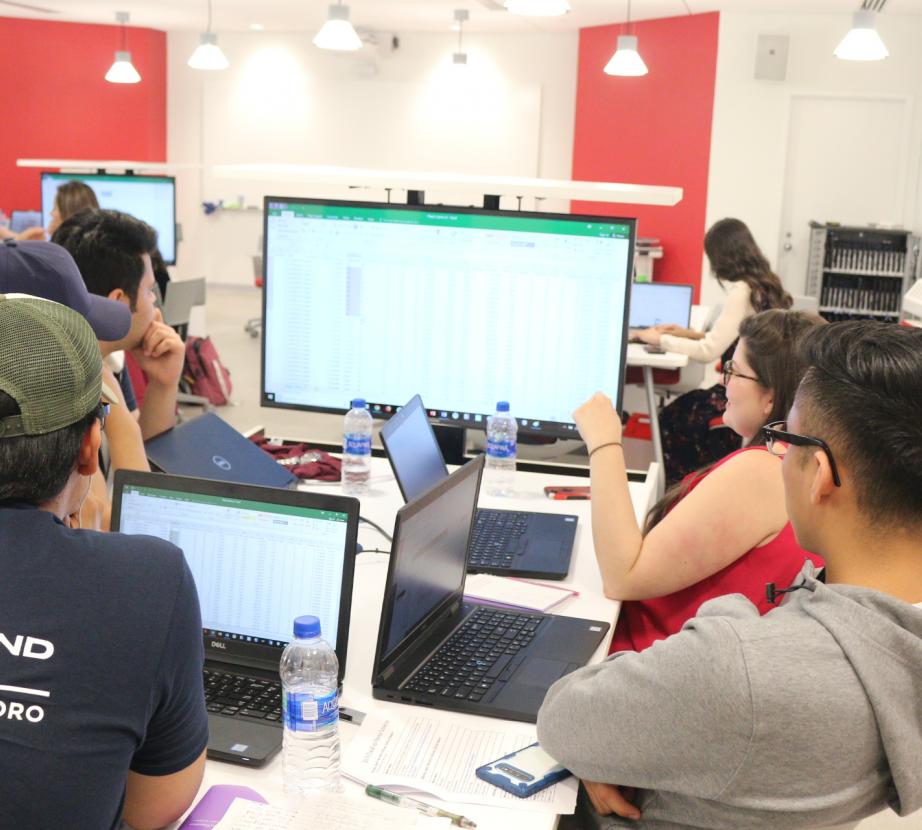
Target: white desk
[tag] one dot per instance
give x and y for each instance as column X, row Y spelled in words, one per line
column 381, row 505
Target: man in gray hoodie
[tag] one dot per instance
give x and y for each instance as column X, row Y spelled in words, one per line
column 810, row 716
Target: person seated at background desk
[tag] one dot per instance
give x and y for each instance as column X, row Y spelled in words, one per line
column 724, row 529
column 48, row 271
column 689, row 439
column 808, row 716
column 113, row 252
column 102, row 710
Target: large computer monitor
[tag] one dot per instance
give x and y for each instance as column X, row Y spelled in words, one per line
column 151, row 198
column 463, row 306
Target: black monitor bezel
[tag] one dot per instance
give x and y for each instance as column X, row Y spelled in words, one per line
column 233, row 650
column 128, row 177
column 384, row 410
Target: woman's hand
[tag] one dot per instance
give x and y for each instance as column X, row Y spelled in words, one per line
column 597, row 421
column 607, row 799
column 650, row 336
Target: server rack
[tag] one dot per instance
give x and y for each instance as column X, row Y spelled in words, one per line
column 860, row 273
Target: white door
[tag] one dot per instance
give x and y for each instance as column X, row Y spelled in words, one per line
column 847, row 160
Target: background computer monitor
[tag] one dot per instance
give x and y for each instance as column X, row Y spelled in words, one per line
column 463, row 306
column 151, row 198
column 663, row 302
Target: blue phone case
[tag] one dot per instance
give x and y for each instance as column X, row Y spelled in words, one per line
column 522, row 789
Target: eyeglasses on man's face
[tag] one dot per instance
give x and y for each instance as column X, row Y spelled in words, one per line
column 102, row 412
column 729, row 370
column 778, row 439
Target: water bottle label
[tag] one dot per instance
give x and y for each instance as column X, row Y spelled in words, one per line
column 357, row 444
column 498, row 448
column 305, row 712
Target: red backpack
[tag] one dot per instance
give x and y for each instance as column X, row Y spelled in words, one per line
column 204, row 373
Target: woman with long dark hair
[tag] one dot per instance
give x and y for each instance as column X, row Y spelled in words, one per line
column 722, row 530
column 691, row 427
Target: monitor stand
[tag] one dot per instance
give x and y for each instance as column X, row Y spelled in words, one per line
column 451, row 442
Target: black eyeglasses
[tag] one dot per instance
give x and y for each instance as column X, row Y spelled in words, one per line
column 729, row 371
column 777, row 441
column 102, row 412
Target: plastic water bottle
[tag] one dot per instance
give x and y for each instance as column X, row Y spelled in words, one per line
column 310, row 707
column 356, row 449
column 499, row 471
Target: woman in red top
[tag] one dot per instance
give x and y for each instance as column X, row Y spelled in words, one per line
column 722, row 530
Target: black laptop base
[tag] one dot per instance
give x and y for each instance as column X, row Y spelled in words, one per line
column 518, row 681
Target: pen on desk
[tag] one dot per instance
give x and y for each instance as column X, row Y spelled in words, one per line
column 420, row 806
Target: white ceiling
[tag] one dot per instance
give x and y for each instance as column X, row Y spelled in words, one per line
column 404, row 15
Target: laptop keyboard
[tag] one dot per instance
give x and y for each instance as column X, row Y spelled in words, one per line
column 496, row 538
column 243, row 697
column 476, row 655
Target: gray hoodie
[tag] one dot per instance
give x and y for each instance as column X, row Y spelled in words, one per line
column 809, row 716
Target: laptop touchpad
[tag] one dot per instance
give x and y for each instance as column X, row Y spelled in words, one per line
column 536, row 671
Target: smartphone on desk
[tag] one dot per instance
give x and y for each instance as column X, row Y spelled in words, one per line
column 563, row 493
column 651, row 349
column 523, row 772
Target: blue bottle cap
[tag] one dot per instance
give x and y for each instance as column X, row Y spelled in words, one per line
column 502, row 406
column 307, row 626
column 359, row 403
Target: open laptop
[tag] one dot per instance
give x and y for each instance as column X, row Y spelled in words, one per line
column 260, row 557
column 653, row 303
column 21, row 220
column 435, row 649
column 208, row 447
column 505, row 542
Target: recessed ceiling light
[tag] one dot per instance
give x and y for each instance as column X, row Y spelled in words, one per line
column 257, row 27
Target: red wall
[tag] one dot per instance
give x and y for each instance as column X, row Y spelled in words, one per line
column 655, row 129
column 56, row 103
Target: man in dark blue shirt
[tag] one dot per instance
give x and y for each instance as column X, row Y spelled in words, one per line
column 102, row 712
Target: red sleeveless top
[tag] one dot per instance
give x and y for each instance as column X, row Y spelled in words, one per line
column 642, row 622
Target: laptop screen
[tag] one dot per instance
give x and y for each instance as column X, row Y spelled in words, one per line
column 652, row 304
column 257, row 565
column 429, row 555
column 413, row 450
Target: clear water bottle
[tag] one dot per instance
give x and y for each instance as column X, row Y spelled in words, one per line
column 499, row 471
column 310, row 708
column 356, row 449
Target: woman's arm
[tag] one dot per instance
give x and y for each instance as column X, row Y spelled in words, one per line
column 737, row 507
column 725, row 330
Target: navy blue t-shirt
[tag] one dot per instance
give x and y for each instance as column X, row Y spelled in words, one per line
column 100, row 669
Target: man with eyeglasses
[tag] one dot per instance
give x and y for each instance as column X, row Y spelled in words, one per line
column 810, row 716
column 102, row 710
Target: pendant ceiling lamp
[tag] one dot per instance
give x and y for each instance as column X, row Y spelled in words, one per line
column 459, row 58
column 626, row 61
column 122, row 70
column 863, row 43
column 338, row 34
column 208, row 55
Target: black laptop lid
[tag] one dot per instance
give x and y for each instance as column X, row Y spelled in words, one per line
column 662, row 302
column 428, row 559
column 413, row 450
column 260, row 557
column 209, row 447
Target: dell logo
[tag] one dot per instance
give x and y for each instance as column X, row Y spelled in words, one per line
column 220, row 462
column 217, row 644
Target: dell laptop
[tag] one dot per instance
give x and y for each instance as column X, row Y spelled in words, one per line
column 505, row 542
column 660, row 302
column 435, row 648
column 208, row 447
column 260, row 557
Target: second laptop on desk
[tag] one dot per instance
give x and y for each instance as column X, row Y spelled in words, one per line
column 504, row 542
column 435, row 649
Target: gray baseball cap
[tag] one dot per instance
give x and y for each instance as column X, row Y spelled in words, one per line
column 50, row 365
column 46, row 270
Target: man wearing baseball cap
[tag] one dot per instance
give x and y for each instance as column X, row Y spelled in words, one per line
column 102, row 712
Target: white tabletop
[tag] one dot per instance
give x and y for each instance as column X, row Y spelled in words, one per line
column 380, row 505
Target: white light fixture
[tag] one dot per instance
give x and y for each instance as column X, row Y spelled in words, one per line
column 337, row 33
column 626, row 61
column 459, row 58
column 123, row 71
column 208, row 54
column 862, row 43
column 538, row 8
